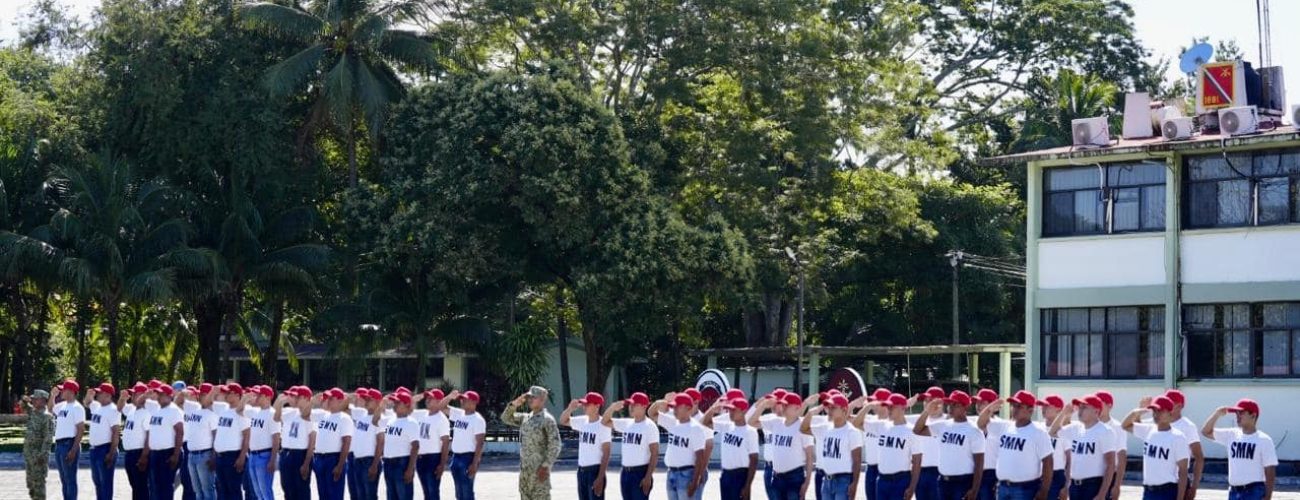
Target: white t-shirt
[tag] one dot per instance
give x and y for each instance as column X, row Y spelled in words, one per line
column 737, row 443
column 295, row 432
column 162, row 427
column 67, row 416
column 872, row 428
column 1161, row 451
column 591, row 436
column 684, row 439
column 133, row 431
column 1121, row 436
column 433, row 427
column 1088, row 448
column 102, row 420
column 230, row 429
column 366, row 436
column 1059, row 446
column 991, row 445
column 835, row 447
column 958, row 443
column 789, row 445
column 465, row 430
column 1191, row 432
column 263, row 428
column 898, row 444
column 199, row 424
column 1021, row 451
column 1248, row 454
column 331, row 430
column 637, row 438
column 399, row 433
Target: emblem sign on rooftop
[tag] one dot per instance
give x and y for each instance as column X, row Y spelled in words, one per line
column 1220, row 85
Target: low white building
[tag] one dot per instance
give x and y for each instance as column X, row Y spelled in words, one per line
column 1155, row 264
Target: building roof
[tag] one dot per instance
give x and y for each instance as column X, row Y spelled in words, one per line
column 1148, row 145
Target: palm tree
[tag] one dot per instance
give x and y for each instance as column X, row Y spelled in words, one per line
column 350, row 51
column 1054, row 102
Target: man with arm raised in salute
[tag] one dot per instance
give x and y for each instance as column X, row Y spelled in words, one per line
column 839, row 448
column 435, row 440
column 401, row 448
column 792, row 450
column 467, row 432
column 593, row 444
column 640, row 452
column 539, row 442
column 685, row 456
column 105, row 433
column 960, row 446
column 1024, row 449
column 297, row 417
column 900, row 451
column 1164, row 451
column 367, row 444
column 1121, row 441
column 230, row 442
column 1252, row 457
column 739, row 447
column 263, row 442
column 1196, row 463
column 1092, row 447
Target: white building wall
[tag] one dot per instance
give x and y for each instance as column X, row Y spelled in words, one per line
column 1242, row 256
column 1111, row 261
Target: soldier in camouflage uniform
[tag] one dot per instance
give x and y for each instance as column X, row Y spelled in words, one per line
column 539, row 443
column 37, row 441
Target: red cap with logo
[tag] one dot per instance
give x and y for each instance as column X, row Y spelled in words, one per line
column 470, row 395
column 1090, row 400
column 362, row 393
column 1245, row 406
column 1023, row 398
column 153, row 384
column 334, row 393
column 1053, row 401
column 592, row 398
column 375, row 394
column 986, row 395
column 933, row 392
column 681, row 400
column 778, row 394
column 637, row 398
column 107, row 388
column 1161, row 403
column 1176, row 396
column 402, row 389
column 958, row 398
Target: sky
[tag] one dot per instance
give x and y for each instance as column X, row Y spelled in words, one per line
column 1163, row 26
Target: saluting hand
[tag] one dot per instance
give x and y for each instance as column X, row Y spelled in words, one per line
column 519, row 400
column 1144, row 402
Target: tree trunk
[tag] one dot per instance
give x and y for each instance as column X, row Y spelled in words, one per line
column 421, row 358
column 271, row 362
column 114, row 344
column 229, row 326
column 769, row 325
column 6, row 402
column 352, row 156
column 209, row 319
column 82, row 326
column 597, row 357
column 562, row 335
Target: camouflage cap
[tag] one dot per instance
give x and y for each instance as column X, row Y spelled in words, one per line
column 537, row 391
column 40, row 394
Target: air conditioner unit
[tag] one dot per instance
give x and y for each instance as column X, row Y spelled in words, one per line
column 1178, row 129
column 1239, row 120
column 1295, row 115
column 1093, row 131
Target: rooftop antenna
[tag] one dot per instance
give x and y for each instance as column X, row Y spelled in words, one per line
column 1265, row 27
column 1194, row 57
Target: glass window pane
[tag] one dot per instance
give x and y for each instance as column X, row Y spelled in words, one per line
column 1096, row 367
column 1154, row 353
column 1127, row 209
column 1124, row 351
column 1203, row 204
column 1236, row 353
column 1122, row 319
column 1064, row 357
column 1155, row 318
column 1089, row 212
column 1236, row 316
column 1295, row 199
column 1097, row 319
column 1276, row 352
column 1277, row 163
column 1289, row 162
column 1153, row 207
column 1277, row 315
column 1217, row 167
column 1201, row 358
column 1234, row 202
column 1081, row 355
column 1135, row 174
column 1059, row 179
column 1198, row 317
column 1076, row 320
column 1060, row 214
column 1274, row 200
column 1295, row 354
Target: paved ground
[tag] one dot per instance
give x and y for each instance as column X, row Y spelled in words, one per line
column 495, row 481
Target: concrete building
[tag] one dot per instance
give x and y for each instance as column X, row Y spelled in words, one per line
column 1155, row 264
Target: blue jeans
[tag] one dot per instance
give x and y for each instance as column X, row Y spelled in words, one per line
column 869, row 476
column 322, row 466
column 679, row 482
column 989, row 484
column 250, row 492
column 395, row 479
column 837, row 487
column 927, row 486
column 788, row 485
column 955, row 487
column 1160, row 492
column 1087, row 489
column 460, row 463
column 425, row 467
column 1058, row 484
column 629, row 483
column 202, row 479
column 586, row 479
column 67, row 471
column 291, row 481
column 892, row 486
column 229, row 481
column 187, row 485
column 1252, row 491
column 732, row 483
column 161, row 475
column 818, row 477
column 262, row 480
column 138, row 479
column 360, row 486
column 767, row 480
column 1019, row 491
column 101, row 473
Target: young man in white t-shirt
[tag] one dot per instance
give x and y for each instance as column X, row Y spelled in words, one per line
column 1091, row 446
column 1052, row 405
column 69, row 427
column 1164, row 451
column 435, row 440
column 105, row 431
column 164, row 439
column 739, row 444
column 989, row 477
column 593, row 444
column 263, row 442
column 333, row 444
column 1196, row 463
column 132, row 402
column 900, row 449
column 927, row 486
column 839, row 448
column 401, row 448
column 1121, row 441
column 960, row 446
column 367, row 440
column 1024, row 461
column 297, row 416
column 640, row 450
column 230, row 441
column 686, row 446
column 1252, row 456
column 468, row 429
column 792, row 450
column 198, row 475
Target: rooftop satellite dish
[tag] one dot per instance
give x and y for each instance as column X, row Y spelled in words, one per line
column 1195, row 56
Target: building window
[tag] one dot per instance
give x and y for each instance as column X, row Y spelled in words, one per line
column 1242, row 340
column 1104, row 342
column 1116, row 198
column 1243, row 189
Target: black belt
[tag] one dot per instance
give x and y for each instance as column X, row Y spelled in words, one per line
column 100, row 444
column 737, row 469
column 962, row 477
column 263, row 450
column 1086, row 480
column 64, row 440
column 200, row 451
column 893, row 476
column 327, row 455
column 588, row 467
column 791, row 471
column 168, row 450
column 1160, row 487
column 1031, row 482
column 227, row 453
column 469, row 453
column 636, row 468
column 1244, row 487
column 394, row 459
column 292, row 449
column 933, row 468
column 837, row 476
column 682, row 468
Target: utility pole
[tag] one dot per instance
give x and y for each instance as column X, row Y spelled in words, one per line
column 798, row 366
column 954, row 258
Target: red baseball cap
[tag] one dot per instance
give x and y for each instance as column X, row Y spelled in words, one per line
column 435, row 394
column 1246, row 406
column 139, row 388
column 334, row 393
column 402, row 389
column 70, row 385
column 107, row 388
column 837, row 401
column 958, row 398
column 1090, row 400
column 400, row 397
column 880, row 394
column 895, row 400
column 736, row 404
column 778, row 394
column 1161, row 403
column 1052, row 400
column 232, row 388
column 734, row 394
column 592, row 398
column 637, row 398
column 205, row 388
column 792, row 399
column 165, row 389
column 265, row 390
column 470, row 395
column 362, row 393
column 694, row 393
column 933, row 392
column 1176, row 396
column 986, row 395
column 681, row 400
column 153, row 384
column 375, row 394
column 1024, row 398
column 1106, row 398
